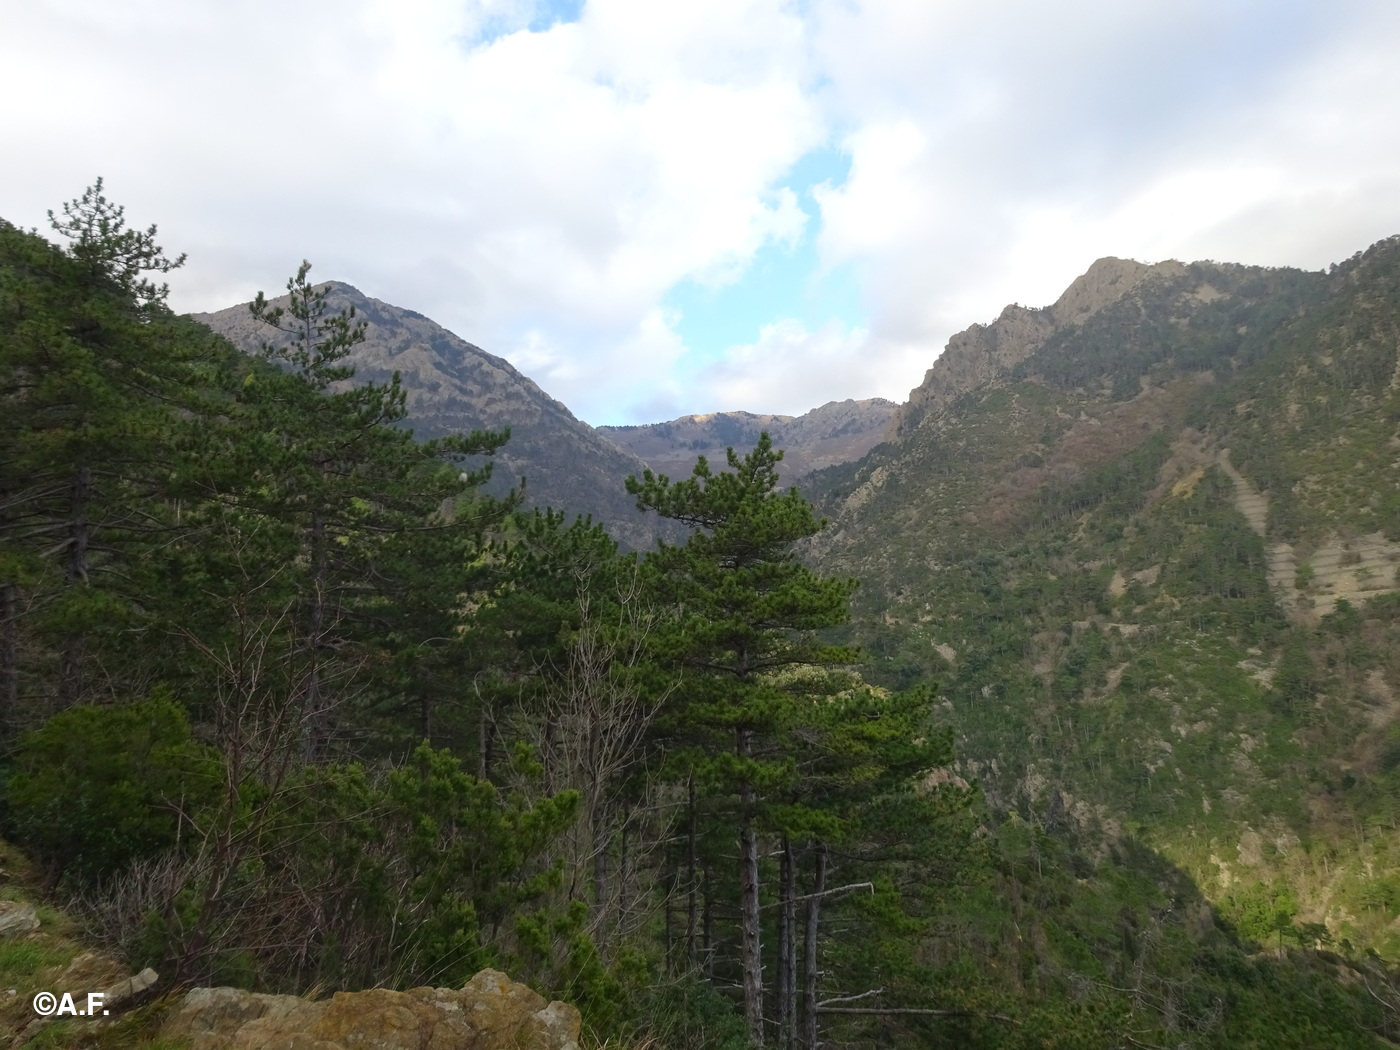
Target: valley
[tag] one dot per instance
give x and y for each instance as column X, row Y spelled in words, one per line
column 1147, row 542
column 1058, row 706
column 1150, row 548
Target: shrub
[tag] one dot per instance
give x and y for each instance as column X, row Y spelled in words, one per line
column 96, row 788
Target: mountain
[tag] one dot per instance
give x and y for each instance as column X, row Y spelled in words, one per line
column 1147, row 540
column 455, row 387
column 984, row 353
column 837, row 432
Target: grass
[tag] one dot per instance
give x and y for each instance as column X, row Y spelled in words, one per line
column 53, row 958
column 20, row 960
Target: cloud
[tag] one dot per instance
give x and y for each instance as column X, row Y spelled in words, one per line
column 524, row 188
column 997, row 149
column 542, row 175
column 789, row 369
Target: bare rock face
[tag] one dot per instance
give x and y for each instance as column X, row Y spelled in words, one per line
column 491, row 1012
column 983, row 353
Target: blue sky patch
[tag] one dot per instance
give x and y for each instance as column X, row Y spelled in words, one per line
column 782, row 281
column 542, row 16
column 551, row 12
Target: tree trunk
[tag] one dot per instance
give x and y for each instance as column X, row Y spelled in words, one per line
column 313, row 742
column 810, row 973
column 483, row 745
column 600, row 879
column 624, row 877
column 546, row 758
column 787, row 949
column 751, row 950
column 75, row 573
column 709, row 926
column 667, row 901
column 692, row 889
column 9, row 663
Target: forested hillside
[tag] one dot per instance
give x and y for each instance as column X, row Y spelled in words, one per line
column 837, row 432
column 1150, row 552
column 291, row 703
column 294, row 701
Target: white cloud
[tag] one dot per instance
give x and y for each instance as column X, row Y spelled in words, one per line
column 884, row 197
column 541, row 192
column 789, row 369
column 525, row 190
column 997, row 149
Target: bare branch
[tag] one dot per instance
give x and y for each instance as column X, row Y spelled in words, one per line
column 850, row 998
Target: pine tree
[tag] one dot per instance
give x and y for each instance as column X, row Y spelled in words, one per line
column 379, row 529
column 745, row 612
column 94, row 373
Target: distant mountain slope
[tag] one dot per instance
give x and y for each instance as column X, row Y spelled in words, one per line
column 837, row 432
column 1148, row 541
column 455, row 387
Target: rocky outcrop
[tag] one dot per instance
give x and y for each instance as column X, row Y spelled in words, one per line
column 984, row 353
column 454, row 387
column 491, row 1012
column 837, row 432
column 17, row 919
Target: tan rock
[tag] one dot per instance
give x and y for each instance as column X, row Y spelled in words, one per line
column 491, row 1012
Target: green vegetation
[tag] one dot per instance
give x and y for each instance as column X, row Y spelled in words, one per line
column 1085, row 760
column 290, row 703
column 1068, row 553
column 97, row 788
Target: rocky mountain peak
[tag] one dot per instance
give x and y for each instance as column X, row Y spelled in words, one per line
column 1106, row 281
column 982, row 354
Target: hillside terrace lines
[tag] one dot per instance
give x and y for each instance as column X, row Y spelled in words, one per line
column 1355, row 569
column 1254, row 505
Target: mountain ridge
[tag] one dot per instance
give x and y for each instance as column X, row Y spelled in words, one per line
column 454, row 386
column 983, row 353
column 836, row 432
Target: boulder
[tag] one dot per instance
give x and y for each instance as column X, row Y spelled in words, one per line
column 17, row 919
column 491, row 1012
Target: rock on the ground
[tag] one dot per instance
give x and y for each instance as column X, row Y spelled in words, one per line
column 17, row 919
column 491, row 1012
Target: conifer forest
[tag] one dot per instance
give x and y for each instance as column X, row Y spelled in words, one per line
column 1066, row 717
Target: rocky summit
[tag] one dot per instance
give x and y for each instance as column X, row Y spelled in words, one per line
column 1148, row 540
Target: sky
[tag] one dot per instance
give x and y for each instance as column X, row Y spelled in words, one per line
column 654, row 208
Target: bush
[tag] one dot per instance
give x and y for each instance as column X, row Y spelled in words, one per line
column 97, row 788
